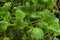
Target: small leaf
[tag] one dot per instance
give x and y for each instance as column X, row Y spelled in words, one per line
column 6, row 38
column 7, row 5
column 56, row 33
column 37, row 33
column 3, row 26
column 20, row 24
column 20, row 14
column 27, row 4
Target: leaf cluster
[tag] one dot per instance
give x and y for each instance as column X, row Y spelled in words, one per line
column 28, row 20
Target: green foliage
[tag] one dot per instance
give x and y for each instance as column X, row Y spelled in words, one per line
column 3, row 26
column 6, row 38
column 20, row 14
column 28, row 20
column 37, row 33
column 7, row 5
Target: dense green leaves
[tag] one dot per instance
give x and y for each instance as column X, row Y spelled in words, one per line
column 7, row 16
column 28, row 20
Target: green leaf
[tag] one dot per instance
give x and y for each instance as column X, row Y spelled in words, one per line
column 20, row 14
column 7, row 5
column 3, row 26
column 27, row 4
column 20, row 24
column 7, row 16
column 6, row 38
column 56, row 33
column 54, row 28
column 54, row 25
column 43, row 25
column 37, row 33
column 34, row 15
column 1, row 11
column 56, row 22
